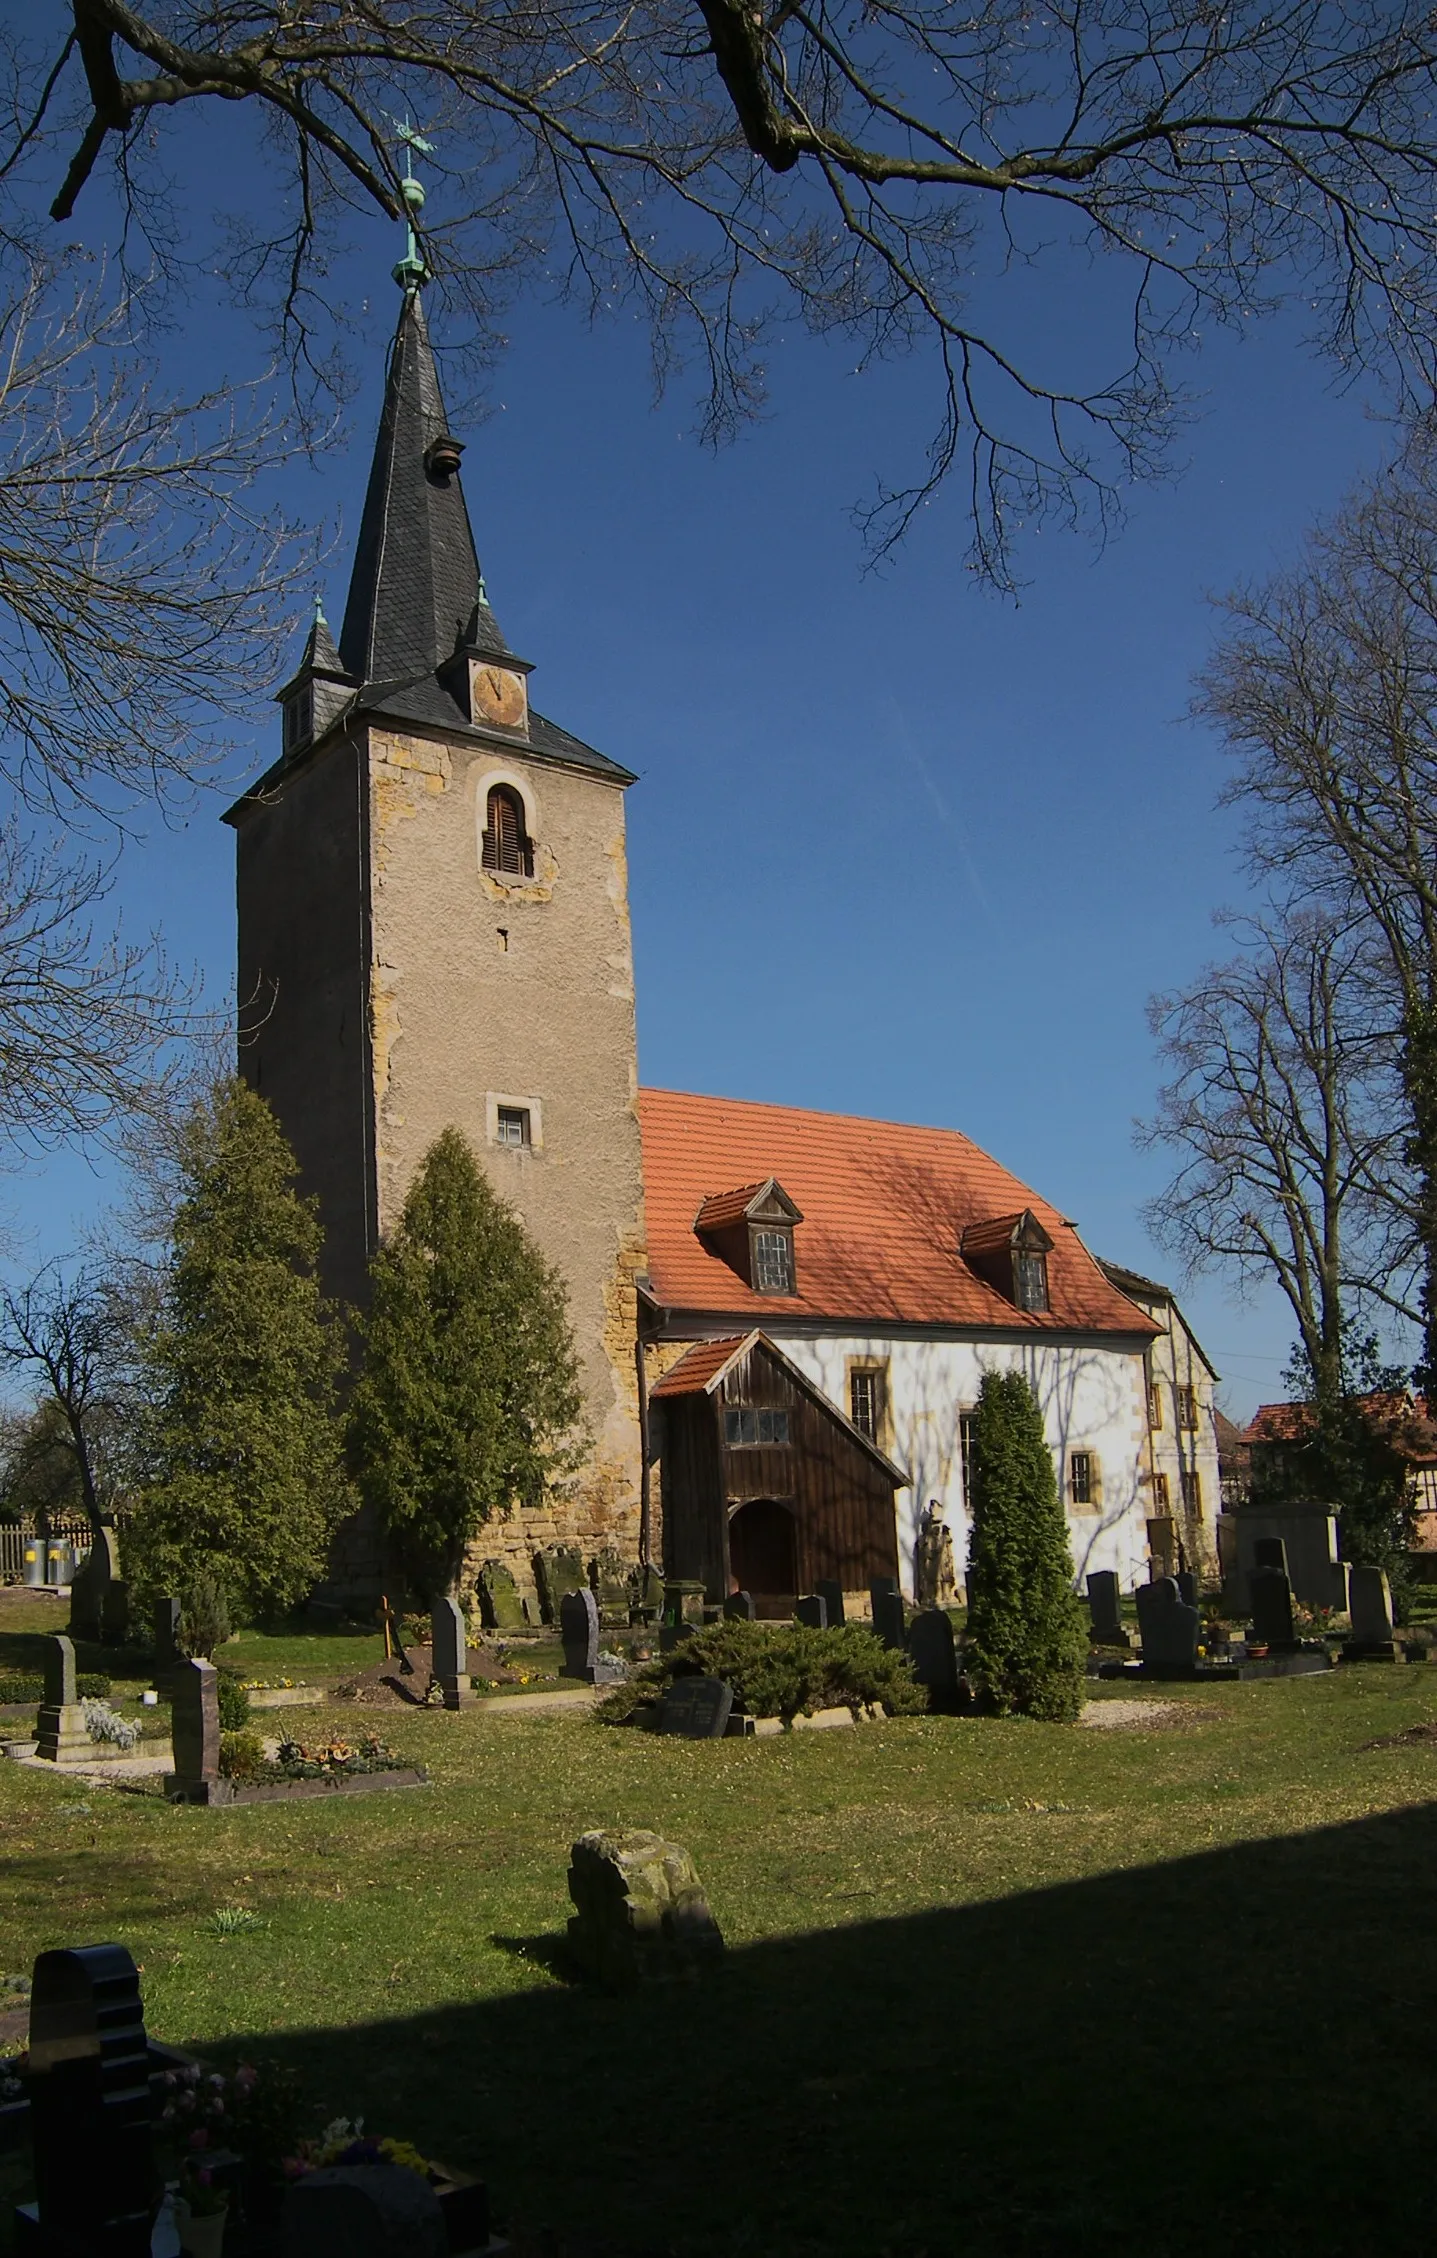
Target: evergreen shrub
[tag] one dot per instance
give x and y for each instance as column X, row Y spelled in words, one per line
column 23, row 1685
column 781, row 1670
column 204, row 1616
column 242, row 1757
column 1027, row 1642
column 234, row 1702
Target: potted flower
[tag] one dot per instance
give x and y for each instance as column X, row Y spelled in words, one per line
column 201, row 2208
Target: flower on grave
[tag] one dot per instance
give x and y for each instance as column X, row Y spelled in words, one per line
column 199, row 2138
column 246, row 2079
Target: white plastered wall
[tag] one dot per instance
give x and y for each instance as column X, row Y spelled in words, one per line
column 1092, row 1398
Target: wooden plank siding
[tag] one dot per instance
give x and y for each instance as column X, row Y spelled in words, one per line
column 839, row 1493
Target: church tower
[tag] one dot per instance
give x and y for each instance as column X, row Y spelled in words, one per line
column 434, row 929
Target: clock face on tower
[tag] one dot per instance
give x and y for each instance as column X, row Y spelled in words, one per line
column 497, row 695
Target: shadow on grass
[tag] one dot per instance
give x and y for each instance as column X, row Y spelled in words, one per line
column 1229, row 2052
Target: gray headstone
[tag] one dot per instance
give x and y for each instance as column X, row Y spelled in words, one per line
column 579, row 1627
column 739, row 1608
column 193, row 1688
column 558, row 1571
column 90, row 1586
column 1370, row 1604
column 1105, row 1609
column 640, row 1912
column 60, row 1674
column 812, row 1612
column 890, row 1617
column 1168, row 1628
column 696, row 1709
column 1270, row 1602
column 362, row 2211
column 831, row 1593
column 89, row 2093
column 930, row 1648
column 499, row 1601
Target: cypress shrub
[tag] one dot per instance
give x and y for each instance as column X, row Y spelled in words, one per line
column 1027, row 1644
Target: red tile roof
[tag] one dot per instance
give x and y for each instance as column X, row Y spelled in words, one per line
column 1402, row 1421
column 885, row 1207
column 700, row 1366
column 727, row 1207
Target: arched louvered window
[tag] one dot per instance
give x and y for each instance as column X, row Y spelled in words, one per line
column 506, row 842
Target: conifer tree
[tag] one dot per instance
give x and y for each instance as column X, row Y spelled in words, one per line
column 469, row 1398
column 1026, row 1640
column 245, row 1473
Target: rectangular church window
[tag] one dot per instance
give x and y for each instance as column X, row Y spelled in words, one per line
column 512, row 1125
column 1080, row 1477
column 866, row 1404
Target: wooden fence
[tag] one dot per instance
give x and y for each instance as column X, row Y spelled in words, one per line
column 17, row 1539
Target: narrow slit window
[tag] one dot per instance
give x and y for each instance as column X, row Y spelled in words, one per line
column 1155, row 1403
column 512, row 1125
column 866, row 1403
column 1160, row 1493
column 507, row 846
column 1187, row 1407
column 1080, row 1477
column 967, row 1429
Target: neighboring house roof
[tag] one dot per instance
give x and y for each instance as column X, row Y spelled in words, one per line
column 1141, row 1289
column 1230, row 1437
column 885, row 1206
column 701, row 1369
column 1402, row 1421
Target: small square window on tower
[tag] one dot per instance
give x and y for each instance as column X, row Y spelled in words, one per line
column 512, row 1125
column 514, row 1121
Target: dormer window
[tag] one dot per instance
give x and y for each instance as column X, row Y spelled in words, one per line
column 1011, row 1254
column 298, row 719
column 507, row 846
column 751, row 1230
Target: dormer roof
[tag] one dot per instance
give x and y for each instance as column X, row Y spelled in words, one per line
column 1001, row 1233
column 765, row 1202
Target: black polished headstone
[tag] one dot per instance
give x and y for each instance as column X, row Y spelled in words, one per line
column 831, row 1593
column 697, row 1709
column 1269, row 1552
column 739, row 1608
column 811, row 1612
column 1269, row 1599
column 1187, row 1585
column 95, row 2180
column 1105, row 1610
column 1168, row 1628
column 579, row 1628
column 167, row 1635
column 449, row 1651
column 890, row 1617
column 193, row 1688
column 935, row 1662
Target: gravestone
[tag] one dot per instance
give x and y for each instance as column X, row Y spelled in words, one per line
column 499, row 1603
column 646, row 1595
column 95, row 2182
column 1105, row 1611
column 1168, row 1629
column 193, row 1689
column 579, row 1629
column 558, row 1571
column 812, row 1612
column 91, row 1586
column 683, row 1600
column 696, row 1709
column 831, row 1593
column 890, row 1619
column 362, row 2211
column 640, row 1911
column 931, row 1651
column 449, row 1651
column 609, row 1579
column 115, row 1615
column 1370, row 1602
column 1269, row 1598
column 166, row 1620
column 1269, row 1552
column 61, row 1736
column 1187, row 1585
column 739, row 1607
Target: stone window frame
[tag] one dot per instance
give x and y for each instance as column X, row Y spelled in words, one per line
column 871, row 1367
column 1090, row 1480
column 513, row 1102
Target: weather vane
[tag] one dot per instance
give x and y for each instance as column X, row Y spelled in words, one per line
column 411, row 271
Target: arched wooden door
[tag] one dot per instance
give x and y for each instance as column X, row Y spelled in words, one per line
column 763, row 1551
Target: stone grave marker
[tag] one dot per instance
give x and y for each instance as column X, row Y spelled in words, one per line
column 1370, row 1603
column 195, row 1735
column 1269, row 1552
column 683, row 1600
column 609, row 1578
column 60, row 1732
column 640, row 1911
column 931, row 1651
column 499, row 1603
column 831, row 1593
column 1168, row 1629
column 1270, row 1603
column 811, row 1611
column 558, row 1571
column 739, row 1608
column 579, row 1628
column 449, row 1650
column 1105, row 1612
column 696, row 1709
column 1187, row 1584
column 89, row 2090
column 362, row 2211
column 890, row 1618
column 91, row 1584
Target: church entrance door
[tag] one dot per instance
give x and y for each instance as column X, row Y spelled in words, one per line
column 763, row 1555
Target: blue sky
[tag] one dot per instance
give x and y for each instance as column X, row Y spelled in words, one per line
column 897, row 847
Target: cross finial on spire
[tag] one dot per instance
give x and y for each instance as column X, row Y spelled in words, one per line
column 411, row 271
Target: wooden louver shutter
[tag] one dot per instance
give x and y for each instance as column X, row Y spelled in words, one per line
column 505, row 845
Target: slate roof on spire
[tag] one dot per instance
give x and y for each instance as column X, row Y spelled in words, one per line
column 416, row 592
column 320, row 655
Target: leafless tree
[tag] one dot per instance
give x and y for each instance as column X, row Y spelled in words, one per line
column 143, row 596
column 884, row 172
column 1325, row 688
column 73, row 1334
column 1284, row 1113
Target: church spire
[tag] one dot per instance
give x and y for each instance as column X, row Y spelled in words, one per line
column 416, row 596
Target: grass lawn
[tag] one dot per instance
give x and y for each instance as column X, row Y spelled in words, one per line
column 997, row 1988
